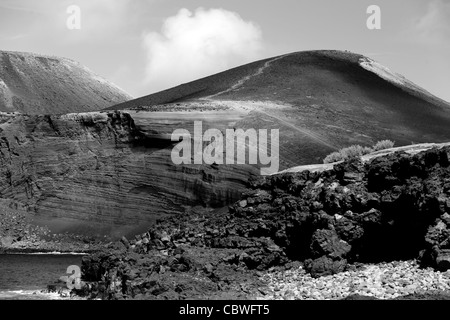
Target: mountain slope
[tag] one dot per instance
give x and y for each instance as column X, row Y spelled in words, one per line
column 319, row 100
column 292, row 77
column 37, row 84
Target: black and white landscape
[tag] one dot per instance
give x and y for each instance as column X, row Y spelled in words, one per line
column 358, row 206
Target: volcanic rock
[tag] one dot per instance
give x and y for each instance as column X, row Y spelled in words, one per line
column 398, row 220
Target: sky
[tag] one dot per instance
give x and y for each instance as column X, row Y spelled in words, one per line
column 145, row 46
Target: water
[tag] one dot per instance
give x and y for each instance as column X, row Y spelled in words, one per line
column 23, row 276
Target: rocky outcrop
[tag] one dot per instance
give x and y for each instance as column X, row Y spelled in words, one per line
column 183, row 273
column 389, row 208
column 393, row 207
column 37, row 84
column 18, row 234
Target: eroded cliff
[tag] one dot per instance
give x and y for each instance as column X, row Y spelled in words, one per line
column 105, row 173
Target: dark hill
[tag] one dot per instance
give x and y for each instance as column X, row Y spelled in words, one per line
column 292, row 77
column 320, row 101
column 37, row 84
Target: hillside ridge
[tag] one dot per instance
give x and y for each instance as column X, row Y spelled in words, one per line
column 230, row 84
column 41, row 84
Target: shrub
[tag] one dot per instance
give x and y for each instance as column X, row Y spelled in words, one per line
column 356, row 151
column 347, row 153
column 333, row 157
column 384, row 144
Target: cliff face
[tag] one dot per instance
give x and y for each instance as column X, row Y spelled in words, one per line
column 37, row 84
column 100, row 173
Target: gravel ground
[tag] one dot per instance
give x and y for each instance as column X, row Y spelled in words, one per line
column 382, row 281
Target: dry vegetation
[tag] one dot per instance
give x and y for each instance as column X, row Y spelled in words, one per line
column 357, row 151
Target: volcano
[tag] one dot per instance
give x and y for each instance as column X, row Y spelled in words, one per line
column 39, row 84
column 320, row 100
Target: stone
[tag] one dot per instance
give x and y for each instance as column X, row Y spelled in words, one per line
column 325, row 266
column 179, row 251
column 125, row 242
column 446, row 218
column 243, row 203
column 327, row 242
column 209, row 268
column 165, row 238
column 351, row 177
column 443, row 260
column 348, row 229
column 51, row 288
column 6, row 241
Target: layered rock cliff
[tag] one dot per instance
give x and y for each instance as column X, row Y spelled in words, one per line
column 100, row 173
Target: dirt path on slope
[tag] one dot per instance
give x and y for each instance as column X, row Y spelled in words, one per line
column 260, row 106
column 246, row 78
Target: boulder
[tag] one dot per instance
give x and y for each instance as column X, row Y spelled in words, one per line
column 443, row 260
column 328, row 243
column 324, row 266
column 6, row 241
column 125, row 242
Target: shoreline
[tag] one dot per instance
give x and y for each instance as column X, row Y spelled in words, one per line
column 33, row 251
column 36, row 294
column 52, row 253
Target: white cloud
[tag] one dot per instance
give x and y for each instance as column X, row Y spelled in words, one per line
column 194, row 45
column 434, row 26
